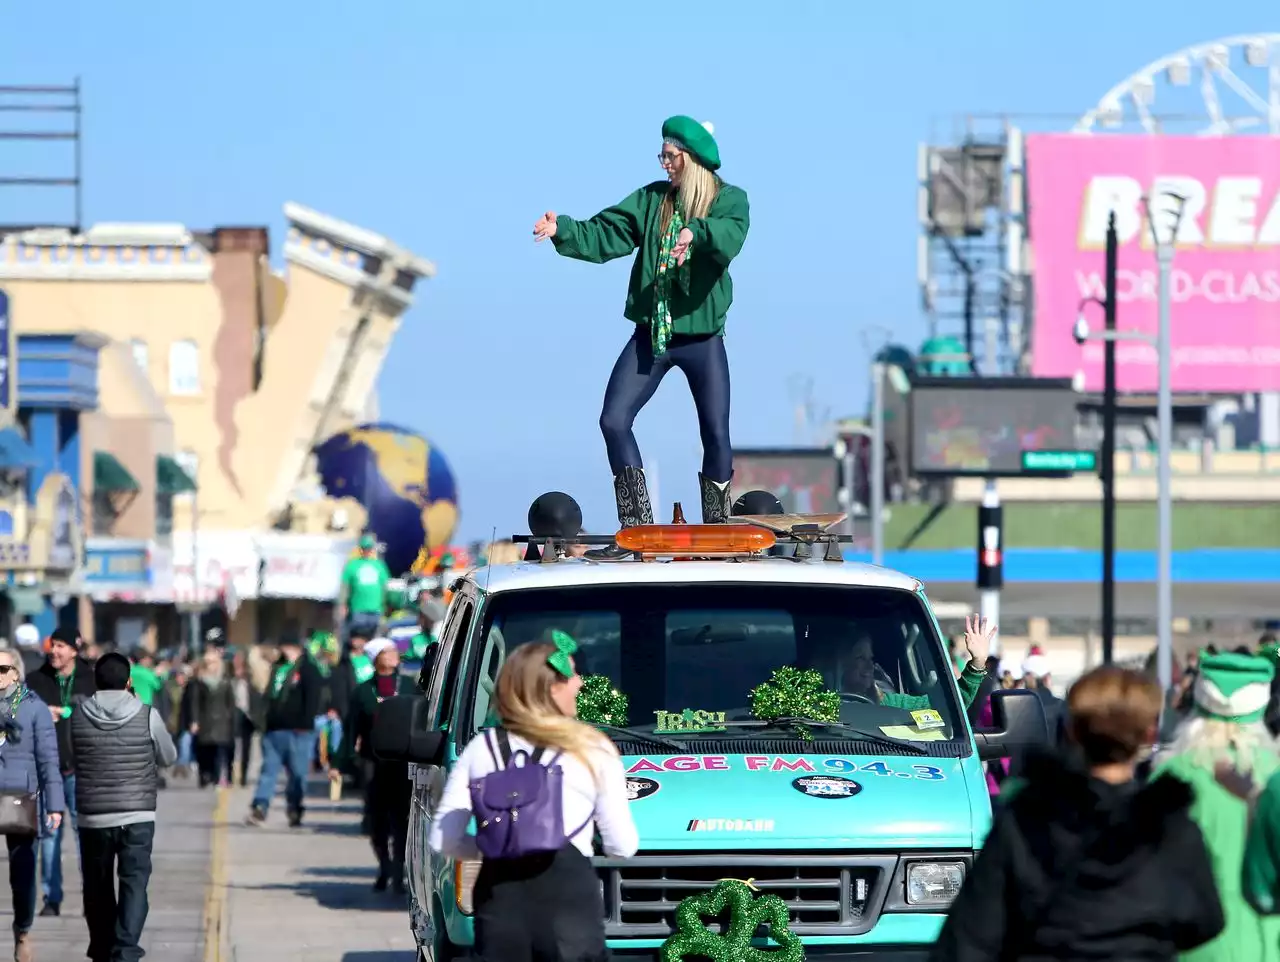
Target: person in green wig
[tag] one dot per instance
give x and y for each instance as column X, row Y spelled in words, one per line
column 685, row 230
column 1225, row 733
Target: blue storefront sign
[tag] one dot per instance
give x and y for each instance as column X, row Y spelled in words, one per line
column 7, row 367
column 116, row 566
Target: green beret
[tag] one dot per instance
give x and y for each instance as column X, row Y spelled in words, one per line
column 694, row 137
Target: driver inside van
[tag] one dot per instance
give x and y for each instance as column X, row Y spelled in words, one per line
column 856, row 671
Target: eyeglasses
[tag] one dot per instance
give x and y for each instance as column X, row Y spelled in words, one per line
column 668, row 157
column 7, row 669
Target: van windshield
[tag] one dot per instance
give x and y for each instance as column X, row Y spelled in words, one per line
column 688, row 656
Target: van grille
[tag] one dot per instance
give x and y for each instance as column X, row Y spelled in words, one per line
column 825, row 894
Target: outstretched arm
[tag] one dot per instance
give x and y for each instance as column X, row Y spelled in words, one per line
column 722, row 236
column 612, row 233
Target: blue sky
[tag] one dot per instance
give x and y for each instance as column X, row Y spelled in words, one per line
column 451, row 126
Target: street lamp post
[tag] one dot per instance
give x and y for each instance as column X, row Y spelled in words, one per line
column 1163, row 344
column 876, row 479
column 1164, row 471
column 1107, row 462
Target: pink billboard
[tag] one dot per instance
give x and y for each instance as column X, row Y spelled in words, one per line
column 1225, row 281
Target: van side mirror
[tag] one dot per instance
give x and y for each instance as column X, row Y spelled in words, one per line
column 1018, row 724
column 400, row 732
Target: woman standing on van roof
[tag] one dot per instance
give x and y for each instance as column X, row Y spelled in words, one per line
column 537, row 786
column 686, row 230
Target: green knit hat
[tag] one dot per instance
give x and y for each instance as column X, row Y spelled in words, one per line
column 1234, row 687
column 689, row 135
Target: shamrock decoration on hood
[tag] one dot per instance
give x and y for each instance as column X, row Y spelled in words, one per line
column 794, row 692
column 693, row 940
column 600, row 703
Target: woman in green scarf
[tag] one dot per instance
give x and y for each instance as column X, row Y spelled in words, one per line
column 686, row 230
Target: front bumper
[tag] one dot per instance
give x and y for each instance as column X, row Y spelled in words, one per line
column 814, row 953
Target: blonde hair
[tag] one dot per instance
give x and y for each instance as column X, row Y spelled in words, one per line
column 16, row 657
column 1208, row 741
column 697, row 191
column 527, row 709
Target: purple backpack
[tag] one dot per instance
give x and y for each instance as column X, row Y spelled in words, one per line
column 519, row 807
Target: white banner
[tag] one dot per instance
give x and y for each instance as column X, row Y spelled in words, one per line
column 303, row 566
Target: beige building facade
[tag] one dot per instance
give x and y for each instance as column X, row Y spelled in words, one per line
column 233, row 369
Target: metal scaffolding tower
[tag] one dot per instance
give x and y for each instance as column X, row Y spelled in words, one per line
column 38, row 124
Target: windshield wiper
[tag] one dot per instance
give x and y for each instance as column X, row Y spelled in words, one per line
column 640, row 736
column 796, row 720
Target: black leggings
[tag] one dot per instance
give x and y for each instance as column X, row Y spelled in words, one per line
column 541, row 908
column 387, row 794
column 635, row 378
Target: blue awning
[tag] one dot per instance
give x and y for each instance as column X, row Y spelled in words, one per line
column 15, row 452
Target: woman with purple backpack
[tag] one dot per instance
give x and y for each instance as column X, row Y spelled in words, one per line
column 540, row 787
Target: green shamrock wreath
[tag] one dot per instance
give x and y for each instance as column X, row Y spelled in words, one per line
column 693, row 940
column 795, row 693
column 599, row 703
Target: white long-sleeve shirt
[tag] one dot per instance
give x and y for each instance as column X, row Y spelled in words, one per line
column 599, row 800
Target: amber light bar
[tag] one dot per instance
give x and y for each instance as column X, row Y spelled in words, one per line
column 700, row 539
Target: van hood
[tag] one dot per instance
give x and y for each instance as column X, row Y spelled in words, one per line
column 804, row 801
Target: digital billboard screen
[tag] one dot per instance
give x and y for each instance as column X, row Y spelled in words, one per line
column 805, row 480
column 982, row 426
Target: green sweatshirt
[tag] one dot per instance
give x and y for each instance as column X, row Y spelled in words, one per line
column 969, row 682
column 1222, row 819
column 1262, row 852
column 146, row 683
column 701, row 296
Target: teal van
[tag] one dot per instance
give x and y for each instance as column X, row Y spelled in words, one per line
column 865, row 827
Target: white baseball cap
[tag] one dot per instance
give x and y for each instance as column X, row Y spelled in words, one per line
column 376, row 646
column 1036, row 665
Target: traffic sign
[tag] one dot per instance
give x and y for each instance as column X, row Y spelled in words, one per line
column 1059, row 461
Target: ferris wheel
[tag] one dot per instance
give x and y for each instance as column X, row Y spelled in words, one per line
column 1223, row 87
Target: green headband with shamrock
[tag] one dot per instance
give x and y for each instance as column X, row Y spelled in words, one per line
column 565, row 647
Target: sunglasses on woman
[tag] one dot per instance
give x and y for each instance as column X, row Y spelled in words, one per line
column 7, row 669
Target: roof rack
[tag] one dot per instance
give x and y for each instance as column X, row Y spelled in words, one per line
column 801, row 530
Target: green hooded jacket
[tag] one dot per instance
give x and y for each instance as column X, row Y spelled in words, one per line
column 1223, row 820
column 701, row 296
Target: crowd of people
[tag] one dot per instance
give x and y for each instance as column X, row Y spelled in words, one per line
column 1110, row 842
column 89, row 737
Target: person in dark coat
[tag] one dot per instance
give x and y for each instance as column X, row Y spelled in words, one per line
column 293, row 700
column 354, row 668
column 1084, row 861
column 387, row 789
column 210, row 711
column 28, row 763
column 62, row 682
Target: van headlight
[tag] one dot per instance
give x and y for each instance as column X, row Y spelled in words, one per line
column 464, row 880
column 934, row 883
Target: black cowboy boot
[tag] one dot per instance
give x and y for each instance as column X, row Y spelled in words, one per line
column 715, row 500
column 632, row 495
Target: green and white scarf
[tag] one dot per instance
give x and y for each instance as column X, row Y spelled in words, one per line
column 660, row 327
